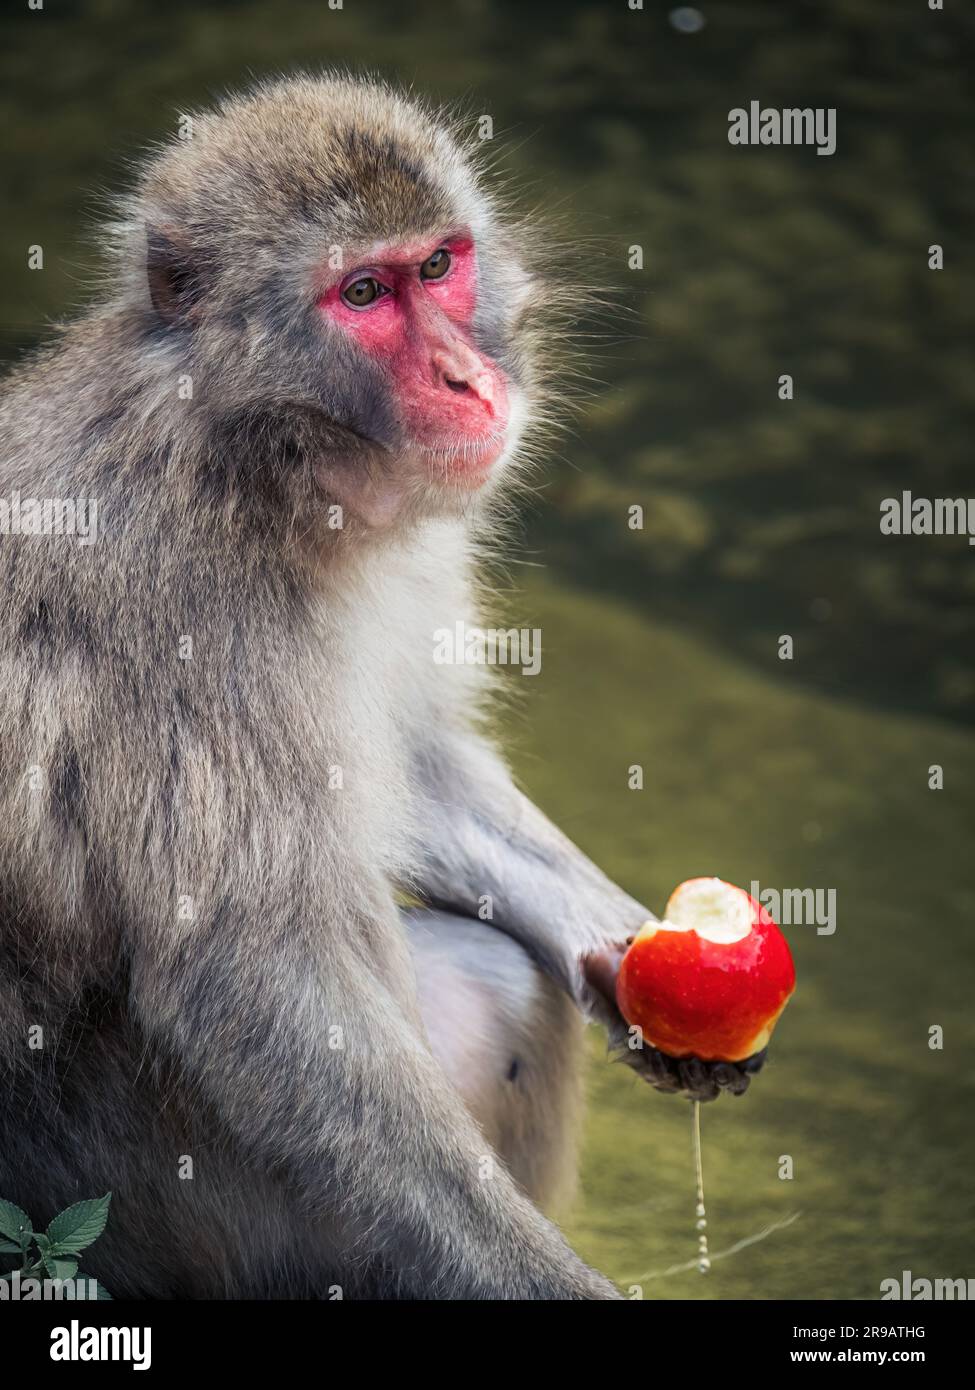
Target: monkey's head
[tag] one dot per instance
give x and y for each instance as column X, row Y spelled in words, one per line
column 319, row 255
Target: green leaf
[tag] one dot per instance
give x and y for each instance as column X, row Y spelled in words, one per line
column 103, row 1294
column 7, row 1247
column 61, row 1269
column 43, row 1244
column 12, row 1221
column 76, row 1227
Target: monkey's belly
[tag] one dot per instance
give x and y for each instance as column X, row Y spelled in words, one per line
column 509, row 1041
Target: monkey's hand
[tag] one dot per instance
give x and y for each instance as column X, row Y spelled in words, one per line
column 687, row 1076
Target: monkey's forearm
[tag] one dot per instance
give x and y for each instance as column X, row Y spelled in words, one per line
column 490, row 852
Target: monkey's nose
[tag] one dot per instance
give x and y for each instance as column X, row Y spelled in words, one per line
column 461, row 370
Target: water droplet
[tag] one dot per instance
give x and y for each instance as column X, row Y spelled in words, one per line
column 703, row 1264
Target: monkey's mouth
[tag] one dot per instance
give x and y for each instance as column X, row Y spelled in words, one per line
column 466, row 461
column 459, row 458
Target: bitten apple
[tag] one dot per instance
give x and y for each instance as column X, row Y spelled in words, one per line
column 711, row 979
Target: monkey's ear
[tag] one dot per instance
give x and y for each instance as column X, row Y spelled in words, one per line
column 174, row 284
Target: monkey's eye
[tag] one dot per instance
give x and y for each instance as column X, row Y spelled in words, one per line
column 436, row 266
column 363, row 292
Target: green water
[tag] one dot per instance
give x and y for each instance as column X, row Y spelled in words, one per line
column 749, row 777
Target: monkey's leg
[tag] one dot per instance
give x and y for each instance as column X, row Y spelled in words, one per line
column 510, row 1041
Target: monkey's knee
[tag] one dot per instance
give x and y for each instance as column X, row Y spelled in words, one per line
column 510, row 1041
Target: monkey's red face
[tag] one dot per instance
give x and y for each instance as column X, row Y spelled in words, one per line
column 410, row 310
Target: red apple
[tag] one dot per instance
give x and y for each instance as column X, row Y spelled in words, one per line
column 711, row 979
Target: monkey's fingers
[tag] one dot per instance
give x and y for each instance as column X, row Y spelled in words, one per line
column 690, row 1077
column 706, row 1080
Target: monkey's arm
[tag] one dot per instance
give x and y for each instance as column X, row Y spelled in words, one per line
column 486, row 842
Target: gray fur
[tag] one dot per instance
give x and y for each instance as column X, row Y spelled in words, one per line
column 190, row 907
column 133, row 781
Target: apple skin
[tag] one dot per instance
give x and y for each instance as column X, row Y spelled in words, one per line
column 693, row 997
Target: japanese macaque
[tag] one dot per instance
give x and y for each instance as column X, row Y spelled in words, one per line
column 228, row 760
